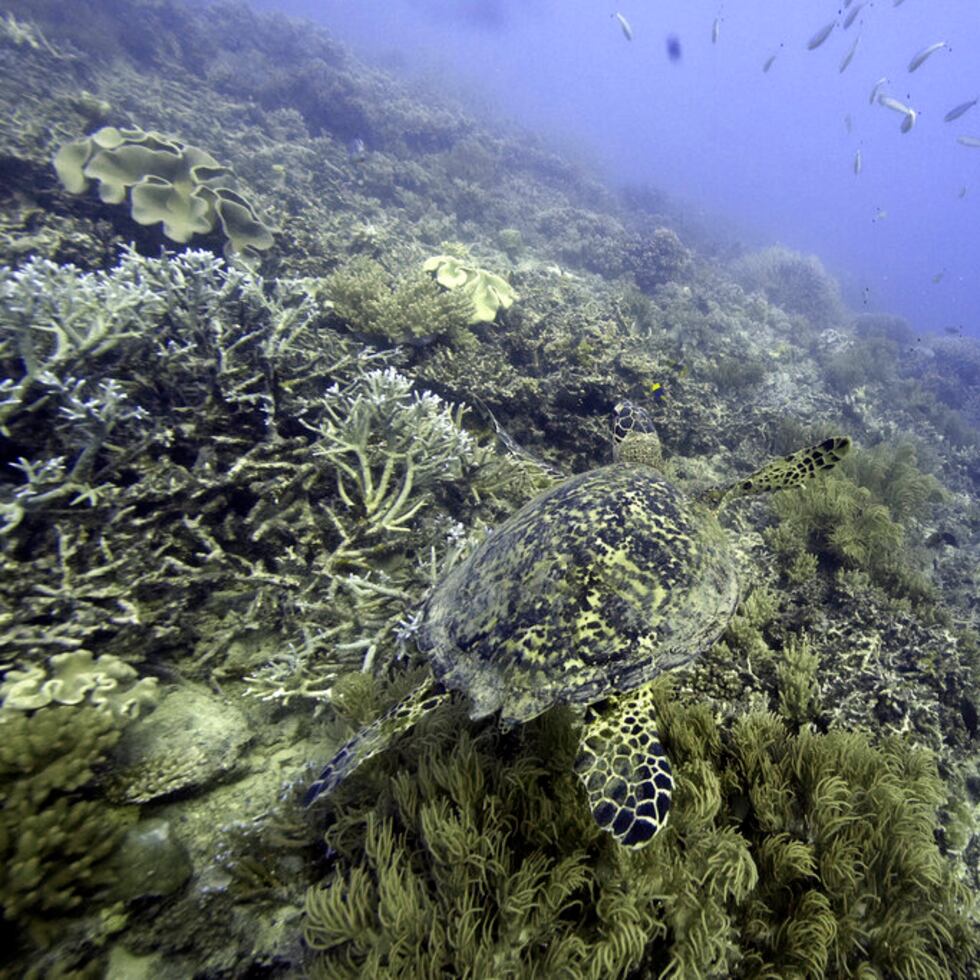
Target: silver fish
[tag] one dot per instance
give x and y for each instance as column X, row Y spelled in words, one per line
column 767, row 64
column 909, row 121
column 968, row 140
column 924, row 53
column 846, row 60
column 938, row 277
column 848, row 123
column 877, row 88
column 625, row 25
column 820, row 36
column 964, row 107
column 962, row 192
column 889, row 103
column 715, row 30
column 851, row 17
column 857, row 163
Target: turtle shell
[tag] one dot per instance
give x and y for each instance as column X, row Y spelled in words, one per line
column 593, row 587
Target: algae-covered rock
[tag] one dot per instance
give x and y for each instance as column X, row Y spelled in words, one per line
column 192, row 740
column 150, row 862
column 169, row 182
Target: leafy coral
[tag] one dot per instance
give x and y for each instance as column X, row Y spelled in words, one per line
column 166, row 181
column 472, row 854
column 486, row 291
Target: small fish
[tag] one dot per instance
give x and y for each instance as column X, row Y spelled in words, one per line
column 356, row 150
column 625, row 25
column 968, row 141
column 876, row 88
column 880, row 215
column 820, row 36
column 898, row 3
column 924, row 53
column 657, row 391
column 938, row 277
column 960, row 110
column 848, row 123
column 962, row 192
column 673, row 47
column 858, row 164
column 889, row 103
column 852, row 16
column 716, row 30
column 847, row 3
column 846, row 60
column 767, row 64
column 909, row 121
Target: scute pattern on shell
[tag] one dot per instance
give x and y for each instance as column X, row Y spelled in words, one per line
column 595, row 586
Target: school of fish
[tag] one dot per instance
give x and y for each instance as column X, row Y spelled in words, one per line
column 848, row 14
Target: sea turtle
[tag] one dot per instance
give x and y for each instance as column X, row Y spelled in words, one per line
column 582, row 597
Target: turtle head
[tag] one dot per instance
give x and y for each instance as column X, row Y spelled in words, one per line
column 635, row 438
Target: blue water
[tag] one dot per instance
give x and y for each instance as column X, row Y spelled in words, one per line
column 770, row 152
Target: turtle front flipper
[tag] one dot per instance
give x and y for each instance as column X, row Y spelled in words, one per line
column 625, row 769
column 376, row 737
column 787, row 471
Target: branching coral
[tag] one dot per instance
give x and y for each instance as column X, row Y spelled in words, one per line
column 388, row 446
column 415, row 310
column 786, row 854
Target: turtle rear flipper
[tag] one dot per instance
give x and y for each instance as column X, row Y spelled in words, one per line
column 787, row 471
column 625, row 769
column 376, row 737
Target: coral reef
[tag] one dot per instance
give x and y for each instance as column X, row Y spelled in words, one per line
column 216, row 478
column 797, row 283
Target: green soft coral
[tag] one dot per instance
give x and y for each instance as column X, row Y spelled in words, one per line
column 858, row 517
column 786, row 855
